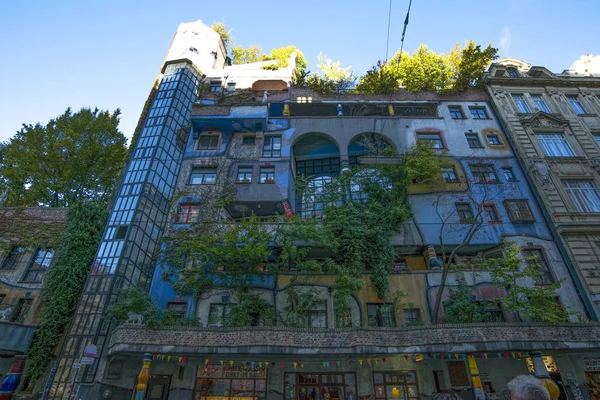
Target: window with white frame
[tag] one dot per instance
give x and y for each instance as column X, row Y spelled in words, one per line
column 203, row 176
column 576, row 104
column 555, row 145
column 584, row 195
column 208, row 142
column 244, row 175
column 521, row 103
column 540, row 103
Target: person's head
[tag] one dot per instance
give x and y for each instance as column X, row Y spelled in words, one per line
column 525, row 387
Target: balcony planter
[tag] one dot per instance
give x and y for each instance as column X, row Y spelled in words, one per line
column 269, row 181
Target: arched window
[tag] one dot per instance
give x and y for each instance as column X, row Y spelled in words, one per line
column 366, row 177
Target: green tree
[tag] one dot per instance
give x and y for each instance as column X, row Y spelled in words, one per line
column 223, row 30
column 74, row 157
column 379, row 79
column 472, row 65
column 240, row 55
column 534, row 303
column 461, row 308
column 333, row 78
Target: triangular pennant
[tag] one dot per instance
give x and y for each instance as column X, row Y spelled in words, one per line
column 360, row 362
column 482, row 356
column 434, row 355
column 210, row 362
column 406, row 357
column 179, row 359
column 338, row 363
column 260, row 364
column 301, row 365
column 463, row 355
column 513, row 354
column 169, row 358
column 369, row 361
column 231, row 363
column 527, row 353
column 377, row 361
column 221, row 362
column 252, row 363
column 295, row 364
column 449, row 356
column 383, row 359
column 520, row 354
column 499, row 355
column 506, row 355
column 154, row 356
column 282, row 364
column 455, row 355
column 486, row 355
column 325, row 364
column 205, row 362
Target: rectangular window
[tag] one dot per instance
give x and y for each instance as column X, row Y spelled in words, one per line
column 519, row 211
column 484, row 173
column 267, row 175
column 208, row 142
column 465, row 213
column 21, row 311
column 434, row 138
column 215, row 87
column 319, row 167
column 494, row 139
column 231, row 86
column 521, row 104
column 509, row 175
column 188, row 213
column 203, row 176
column 272, row 146
column 491, row 213
column 536, row 259
column 317, row 316
column 576, row 104
column 249, row 139
column 13, row 258
column 584, row 196
column 555, row 145
column 456, row 112
column 217, row 314
column 449, row 175
column 381, row 315
column 38, row 267
column 244, row 175
column 177, row 308
column 512, row 72
column 539, row 102
column 412, row 316
column 473, row 140
column 597, row 139
column 395, row 385
column 478, row 112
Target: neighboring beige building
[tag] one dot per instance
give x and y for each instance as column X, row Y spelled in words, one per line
column 553, row 123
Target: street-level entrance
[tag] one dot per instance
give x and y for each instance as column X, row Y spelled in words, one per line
column 320, row 386
column 223, row 382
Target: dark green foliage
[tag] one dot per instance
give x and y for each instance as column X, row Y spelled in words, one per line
column 65, row 280
column 76, row 156
column 248, row 309
column 461, row 307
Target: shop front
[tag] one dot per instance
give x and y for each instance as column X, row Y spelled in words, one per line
column 230, row 382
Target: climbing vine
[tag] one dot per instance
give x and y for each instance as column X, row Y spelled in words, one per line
column 19, row 228
column 65, row 280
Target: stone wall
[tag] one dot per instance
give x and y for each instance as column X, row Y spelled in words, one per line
column 280, row 340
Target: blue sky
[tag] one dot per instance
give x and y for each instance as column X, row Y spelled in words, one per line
column 107, row 53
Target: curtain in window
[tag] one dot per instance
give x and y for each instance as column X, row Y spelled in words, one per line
column 584, row 195
column 555, row 145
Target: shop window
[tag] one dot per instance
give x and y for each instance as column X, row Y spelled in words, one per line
column 188, row 213
column 449, row 175
column 317, row 316
column 244, row 175
column 381, row 314
column 456, row 112
column 203, row 176
column 519, row 211
column 478, row 112
column 320, row 386
column 473, row 140
column 21, row 311
column 272, row 146
column 435, row 139
column 38, row 267
column 13, row 258
column 267, row 175
column 394, row 385
column 208, row 142
column 484, row 173
column 536, row 260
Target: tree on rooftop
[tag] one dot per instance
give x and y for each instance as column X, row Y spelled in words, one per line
column 240, row 55
column 223, row 30
column 75, row 156
column 333, row 79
